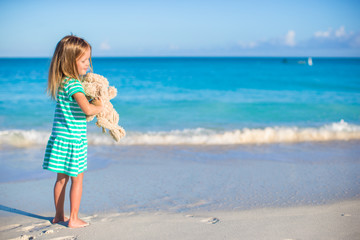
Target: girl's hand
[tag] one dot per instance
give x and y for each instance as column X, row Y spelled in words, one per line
column 86, row 107
column 97, row 102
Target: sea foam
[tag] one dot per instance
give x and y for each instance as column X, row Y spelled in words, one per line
column 200, row 136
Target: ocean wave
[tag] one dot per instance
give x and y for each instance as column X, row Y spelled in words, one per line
column 339, row 131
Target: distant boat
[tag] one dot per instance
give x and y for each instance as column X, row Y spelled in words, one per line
column 310, row 63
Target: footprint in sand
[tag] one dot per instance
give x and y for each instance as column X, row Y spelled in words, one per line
column 89, row 217
column 211, row 220
column 35, row 227
column 9, row 227
column 47, row 232
column 23, row 237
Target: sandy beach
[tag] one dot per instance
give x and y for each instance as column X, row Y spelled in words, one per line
column 279, row 191
column 333, row 221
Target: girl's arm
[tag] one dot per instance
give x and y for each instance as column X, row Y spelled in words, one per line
column 86, row 107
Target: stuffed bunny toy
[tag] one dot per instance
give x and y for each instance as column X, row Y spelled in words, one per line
column 97, row 86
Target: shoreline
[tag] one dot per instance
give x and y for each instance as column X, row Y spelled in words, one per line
column 338, row 220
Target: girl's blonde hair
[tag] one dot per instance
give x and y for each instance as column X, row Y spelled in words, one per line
column 63, row 62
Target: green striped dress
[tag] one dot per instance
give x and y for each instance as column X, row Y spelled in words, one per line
column 66, row 150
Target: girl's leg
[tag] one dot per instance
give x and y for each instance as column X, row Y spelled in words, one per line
column 59, row 197
column 75, row 198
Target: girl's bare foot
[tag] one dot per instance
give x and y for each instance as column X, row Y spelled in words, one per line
column 77, row 223
column 59, row 219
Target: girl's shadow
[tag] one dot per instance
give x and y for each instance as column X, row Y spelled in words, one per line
column 21, row 212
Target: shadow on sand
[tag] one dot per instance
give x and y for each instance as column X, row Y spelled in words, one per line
column 17, row 211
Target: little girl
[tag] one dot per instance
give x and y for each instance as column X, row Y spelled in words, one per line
column 66, row 151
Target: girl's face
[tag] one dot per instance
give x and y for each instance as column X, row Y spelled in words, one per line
column 83, row 62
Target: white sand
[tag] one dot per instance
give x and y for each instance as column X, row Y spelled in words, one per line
column 333, row 221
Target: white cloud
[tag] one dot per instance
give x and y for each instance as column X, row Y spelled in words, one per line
column 340, row 32
column 105, row 46
column 322, row 34
column 334, row 39
column 290, row 38
column 328, row 41
column 329, row 33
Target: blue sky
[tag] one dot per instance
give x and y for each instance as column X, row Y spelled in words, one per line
column 183, row 28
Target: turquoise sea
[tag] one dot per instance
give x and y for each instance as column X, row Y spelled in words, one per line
column 189, row 98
